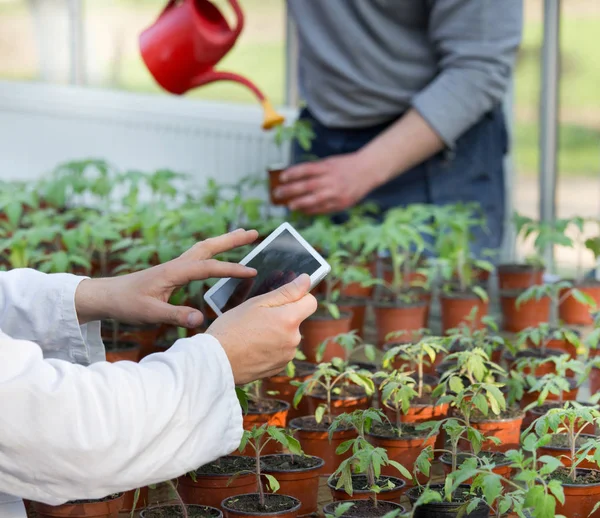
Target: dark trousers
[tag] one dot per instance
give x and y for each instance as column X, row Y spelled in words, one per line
column 471, row 172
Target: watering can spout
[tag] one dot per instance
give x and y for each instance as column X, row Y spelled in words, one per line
column 271, row 118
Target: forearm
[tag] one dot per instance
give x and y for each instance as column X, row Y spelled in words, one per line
column 407, row 143
column 70, row 432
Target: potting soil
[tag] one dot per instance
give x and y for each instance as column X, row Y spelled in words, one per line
column 228, row 465
column 249, row 503
column 289, row 462
column 175, row 511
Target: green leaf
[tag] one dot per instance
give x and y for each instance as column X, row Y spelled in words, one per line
column 320, row 412
column 242, row 398
column 556, row 489
column 273, row 484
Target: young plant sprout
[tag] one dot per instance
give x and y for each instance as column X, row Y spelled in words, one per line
column 330, row 378
column 397, row 391
column 258, row 438
column 555, row 383
column 366, row 459
column 467, row 336
column 352, row 344
column 544, row 333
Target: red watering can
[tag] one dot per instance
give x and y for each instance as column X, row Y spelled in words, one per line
column 187, row 41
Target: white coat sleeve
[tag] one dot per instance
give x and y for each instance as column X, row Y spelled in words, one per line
column 41, row 308
column 73, row 432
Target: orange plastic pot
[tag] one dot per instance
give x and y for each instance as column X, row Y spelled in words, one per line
column 355, row 290
column 124, row 351
column 129, row 498
column 275, row 173
column 579, row 499
column 302, row 484
column 276, row 416
column 528, row 314
column 398, row 363
column 507, row 430
column 366, row 509
column 563, row 453
column 535, row 354
column 280, row 386
column 340, row 404
column 573, row 312
column 230, row 510
column 539, row 411
column 563, row 346
column 570, row 395
column 316, row 442
column 594, row 380
column 358, row 309
column 211, row 490
column 519, row 276
column 504, row 469
column 107, row 509
column 389, row 495
column 404, row 450
column 317, row 330
column 456, row 309
column 407, row 318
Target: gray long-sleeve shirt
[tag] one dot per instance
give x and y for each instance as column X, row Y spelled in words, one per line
column 364, row 62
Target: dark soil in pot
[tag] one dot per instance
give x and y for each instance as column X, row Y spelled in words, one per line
column 322, row 327
column 227, row 466
column 249, row 505
column 361, row 489
column 519, row 276
column 364, row 509
column 447, row 509
column 175, row 511
column 581, row 496
column 456, row 308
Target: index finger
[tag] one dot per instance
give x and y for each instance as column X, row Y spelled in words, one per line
column 217, row 245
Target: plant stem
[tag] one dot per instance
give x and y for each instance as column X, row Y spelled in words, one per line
column 259, row 486
column 420, row 370
column 179, row 500
column 572, row 441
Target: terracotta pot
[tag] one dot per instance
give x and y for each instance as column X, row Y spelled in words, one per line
column 316, row 330
column 211, row 490
column 355, row 290
column 230, row 506
column 457, row 307
column 316, row 442
column 280, row 386
column 519, row 276
column 564, row 346
column 358, row 309
column 390, row 318
column 571, row 395
column 528, row 314
column 145, row 336
column 398, row 363
column 563, row 453
column 276, row 416
column 365, row 509
column 539, row 411
column 594, row 380
column 507, row 430
column 123, row 351
column 502, row 468
column 129, row 498
column 340, row 404
column 444, row 509
column 573, row 312
column 404, row 450
column 389, row 495
column 275, row 172
column 535, row 354
column 213, row 512
column 107, row 509
column 579, row 499
column 301, row 483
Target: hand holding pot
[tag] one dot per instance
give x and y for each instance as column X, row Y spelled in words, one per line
column 261, row 335
column 142, row 297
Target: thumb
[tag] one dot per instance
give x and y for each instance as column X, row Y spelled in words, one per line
column 288, row 293
column 180, row 316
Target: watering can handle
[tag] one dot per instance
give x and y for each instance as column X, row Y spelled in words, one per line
column 239, row 15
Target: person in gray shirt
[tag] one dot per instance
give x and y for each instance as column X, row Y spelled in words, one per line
column 405, row 99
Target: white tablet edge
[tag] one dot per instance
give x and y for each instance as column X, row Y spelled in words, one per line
column 315, row 278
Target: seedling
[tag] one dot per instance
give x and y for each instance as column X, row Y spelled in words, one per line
column 352, row 344
column 557, row 382
column 544, row 333
column 397, row 391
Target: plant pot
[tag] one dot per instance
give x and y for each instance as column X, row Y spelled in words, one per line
column 456, row 308
column 360, row 481
column 444, row 509
column 573, row 312
column 390, row 317
column 275, row 172
column 171, row 510
column 398, row 363
column 556, row 448
column 404, row 449
column 502, row 465
column 535, row 354
column 528, row 314
column 594, row 380
column 318, row 329
column 507, row 430
column 145, row 336
column 106, row 508
column 282, row 506
column 129, row 498
column 358, row 309
column 581, row 426
column 355, row 290
column 364, row 509
column 272, row 412
column 519, row 276
column 580, row 499
column 298, row 478
column 122, row 351
column 314, row 439
column 281, row 384
column 571, row 395
column 214, row 484
column 353, row 398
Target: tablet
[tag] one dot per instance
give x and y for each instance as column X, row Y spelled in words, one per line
column 279, row 259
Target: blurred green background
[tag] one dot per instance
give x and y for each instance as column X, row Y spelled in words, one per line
column 112, row 27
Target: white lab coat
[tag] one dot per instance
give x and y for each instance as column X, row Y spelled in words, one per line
column 72, row 431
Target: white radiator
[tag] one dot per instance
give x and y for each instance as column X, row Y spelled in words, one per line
column 42, row 125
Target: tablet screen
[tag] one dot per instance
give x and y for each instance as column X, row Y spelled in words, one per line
column 280, row 262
